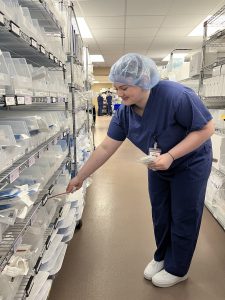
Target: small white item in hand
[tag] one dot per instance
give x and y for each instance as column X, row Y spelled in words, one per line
column 146, row 159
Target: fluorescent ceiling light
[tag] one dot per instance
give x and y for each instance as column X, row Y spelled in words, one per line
column 175, row 55
column 97, row 58
column 96, row 81
column 198, row 30
column 83, row 27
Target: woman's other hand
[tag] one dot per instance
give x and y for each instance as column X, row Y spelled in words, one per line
column 162, row 162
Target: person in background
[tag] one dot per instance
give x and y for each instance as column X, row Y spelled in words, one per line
column 168, row 121
column 109, row 103
column 100, row 104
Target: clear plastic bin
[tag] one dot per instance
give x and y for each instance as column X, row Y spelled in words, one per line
column 7, row 138
column 4, row 73
column 59, row 261
column 39, row 281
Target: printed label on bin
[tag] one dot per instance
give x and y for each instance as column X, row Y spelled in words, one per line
column 53, row 100
column 48, row 242
column 42, row 49
column 56, row 59
column 31, row 161
column 60, row 64
column 51, row 56
column 14, row 175
column 20, row 100
column 10, row 100
column 2, row 20
column 29, row 286
column 38, row 264
column 51, row 189
column 28, row 100
column 33, row 43
column 15, row 29
column 44, row 199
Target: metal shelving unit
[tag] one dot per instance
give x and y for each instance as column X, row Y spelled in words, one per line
column 213, row 40
column 12, row 238
column 12, row 37
column 27, row 281
column 39, row 9
column 12, row 173
column 19, row 44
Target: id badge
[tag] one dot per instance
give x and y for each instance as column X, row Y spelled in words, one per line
column 154, row 153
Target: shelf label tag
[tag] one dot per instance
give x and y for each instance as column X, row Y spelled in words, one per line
column 60, row 64
column 28, row 100
column 2, row 20
column 20, row 100
column 51, row 56
column 31, row 161
column 44, row 199
column 53, row 100
column 51, row 189
column 14, row 175
column 10, row 100
column 29, row 286
column 34, row 43
column 56, row 59
column 15, row 29
column 42, row 49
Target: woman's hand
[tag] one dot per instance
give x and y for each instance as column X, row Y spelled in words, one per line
column 75, row 183
column 162, row 162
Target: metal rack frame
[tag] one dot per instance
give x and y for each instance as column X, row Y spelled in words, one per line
column 13, row 172
column 12, row 238
column 25, row 46
column 27, row 281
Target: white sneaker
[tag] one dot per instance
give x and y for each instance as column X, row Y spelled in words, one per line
column 165, row 279
column 153, row 268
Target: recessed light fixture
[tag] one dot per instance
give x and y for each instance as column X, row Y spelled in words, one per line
column 175, row 55
column 97, row 58
column 83, row 27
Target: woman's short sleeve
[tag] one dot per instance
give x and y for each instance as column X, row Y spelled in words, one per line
column 192, row 113
column 116, row 128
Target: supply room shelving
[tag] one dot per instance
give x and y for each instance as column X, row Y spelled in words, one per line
column 212, row 93
column 20, row 42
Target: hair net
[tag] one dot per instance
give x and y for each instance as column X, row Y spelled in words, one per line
column 135, row 69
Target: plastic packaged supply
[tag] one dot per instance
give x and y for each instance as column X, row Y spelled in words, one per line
column 8, row 217
column 39, row 281
column 17, row 197
column 17, row 266
column 59, row 261
column 67, row 222
column 44, row 292
column 48, row 265
column 50, row 252
column 6, row 292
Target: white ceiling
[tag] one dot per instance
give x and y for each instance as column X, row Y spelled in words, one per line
column 149, row 27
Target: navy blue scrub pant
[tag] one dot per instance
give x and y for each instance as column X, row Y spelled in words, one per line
column 177, row 204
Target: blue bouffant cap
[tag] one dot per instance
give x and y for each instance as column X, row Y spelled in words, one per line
column 135, row 69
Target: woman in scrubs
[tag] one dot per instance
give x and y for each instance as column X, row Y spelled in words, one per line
column 168, row 121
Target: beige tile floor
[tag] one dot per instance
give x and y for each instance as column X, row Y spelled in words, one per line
column 106, row 258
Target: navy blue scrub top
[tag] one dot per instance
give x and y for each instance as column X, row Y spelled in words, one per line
column 172, row 111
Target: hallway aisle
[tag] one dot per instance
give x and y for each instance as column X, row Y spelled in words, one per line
column 106, row 258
